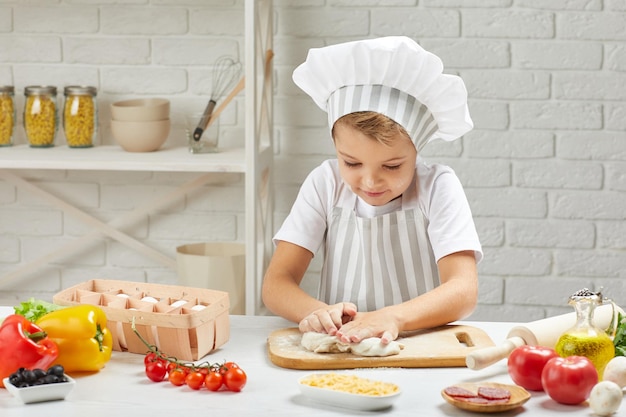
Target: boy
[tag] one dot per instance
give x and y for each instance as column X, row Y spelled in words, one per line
column 400, row 246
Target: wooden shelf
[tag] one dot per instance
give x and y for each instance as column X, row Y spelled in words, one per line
column 114, row 158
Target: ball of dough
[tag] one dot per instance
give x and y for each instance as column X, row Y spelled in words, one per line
column 325, row 343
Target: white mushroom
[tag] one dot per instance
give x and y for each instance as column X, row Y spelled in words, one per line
column 615, row 371
column 605, row 398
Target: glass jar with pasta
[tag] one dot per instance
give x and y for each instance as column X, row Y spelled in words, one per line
column 7, row 115
column 80, row 116
column 40, row 116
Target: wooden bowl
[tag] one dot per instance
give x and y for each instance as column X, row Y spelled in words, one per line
column 518, row 397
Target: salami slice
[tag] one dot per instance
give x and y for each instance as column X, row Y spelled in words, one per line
column 475, row 400
column 494, row 393
column 502, row 401
column 458, row 392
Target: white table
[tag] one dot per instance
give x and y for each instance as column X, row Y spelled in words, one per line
column 121, row 389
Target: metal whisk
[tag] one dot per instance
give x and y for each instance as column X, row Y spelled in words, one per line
column 225, row 73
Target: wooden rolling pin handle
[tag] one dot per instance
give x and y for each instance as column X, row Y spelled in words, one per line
column 481, row 358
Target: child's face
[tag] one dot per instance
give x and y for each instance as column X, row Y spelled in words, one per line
column 376, row 172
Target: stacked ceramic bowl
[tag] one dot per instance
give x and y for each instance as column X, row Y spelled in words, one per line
column 140, row 125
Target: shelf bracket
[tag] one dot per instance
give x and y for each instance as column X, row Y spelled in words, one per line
column 111, row 229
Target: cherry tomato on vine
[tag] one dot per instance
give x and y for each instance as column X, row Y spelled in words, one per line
column 156, row 371
column 194, row 380
column 235, row 379
column 213, row 381
column 177, row 376
column 171, row 366
column 226, row 366
column 152, row 357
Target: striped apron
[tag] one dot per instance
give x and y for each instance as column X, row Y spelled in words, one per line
column 379, row 261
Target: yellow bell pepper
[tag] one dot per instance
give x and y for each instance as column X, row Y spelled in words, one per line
column 85, row 344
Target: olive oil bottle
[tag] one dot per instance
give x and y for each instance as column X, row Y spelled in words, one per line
column 585, row 339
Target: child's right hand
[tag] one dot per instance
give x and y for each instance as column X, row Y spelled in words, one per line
column 328, row 319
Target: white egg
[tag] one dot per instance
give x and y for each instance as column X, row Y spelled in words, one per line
column 179, row 303
column 150, row 299
column 198, row 307
column 615, row 371
column 605, row 398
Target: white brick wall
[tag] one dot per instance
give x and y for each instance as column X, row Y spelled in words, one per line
column 544, row 168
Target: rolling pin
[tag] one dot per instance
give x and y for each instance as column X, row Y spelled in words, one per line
column 544, row 332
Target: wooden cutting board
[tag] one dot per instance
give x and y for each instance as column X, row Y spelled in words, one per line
column 444, row 346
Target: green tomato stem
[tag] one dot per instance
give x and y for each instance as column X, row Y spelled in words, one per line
column 154, row 349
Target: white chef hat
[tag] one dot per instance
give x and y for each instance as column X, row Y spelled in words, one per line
column 393, row 76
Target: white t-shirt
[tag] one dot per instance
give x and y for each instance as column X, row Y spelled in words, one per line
column 440, row 197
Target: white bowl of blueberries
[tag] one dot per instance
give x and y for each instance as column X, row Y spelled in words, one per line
column 38, row 385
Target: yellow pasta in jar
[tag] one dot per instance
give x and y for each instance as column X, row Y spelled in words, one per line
column 7, row 119
column 79, row 116
column 40, row 120
column 351, row 384
column 79, row 121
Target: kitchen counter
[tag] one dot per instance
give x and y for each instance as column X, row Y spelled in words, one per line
column 121, row 389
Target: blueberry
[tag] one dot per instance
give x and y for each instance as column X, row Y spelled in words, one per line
column 50, row 379
column 29, row 376
column 57, row 370
column 39, row 373
column 15, row 378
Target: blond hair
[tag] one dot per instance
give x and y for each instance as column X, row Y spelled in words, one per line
column 374, row 125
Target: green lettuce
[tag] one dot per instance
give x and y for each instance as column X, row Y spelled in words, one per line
column 33, row 309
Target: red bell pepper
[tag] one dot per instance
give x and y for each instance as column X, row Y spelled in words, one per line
column 24, row 345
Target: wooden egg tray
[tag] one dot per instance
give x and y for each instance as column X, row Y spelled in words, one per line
column 184, row 322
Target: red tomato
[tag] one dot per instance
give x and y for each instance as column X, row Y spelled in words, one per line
column 526, row 363
column 153, row 357
column 226, row 366
column 156, row 371
column 569, row 380
column 177, row 376
column 171, row 366
column 213, row 380
column 194, row 380
column 235, row 379
column 150, row 357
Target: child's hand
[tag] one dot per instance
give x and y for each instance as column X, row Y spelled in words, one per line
column 328, row 319
column 378, row 323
